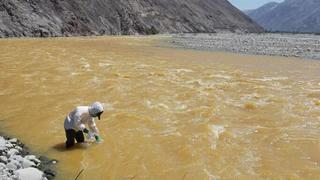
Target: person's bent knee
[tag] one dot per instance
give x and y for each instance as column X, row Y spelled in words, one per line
column 80, row 137
column 70, row 135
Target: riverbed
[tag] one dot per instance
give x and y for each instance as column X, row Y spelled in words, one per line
column 170, row 113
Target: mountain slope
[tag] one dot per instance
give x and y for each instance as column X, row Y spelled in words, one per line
column 290, row 15
column 97, row 17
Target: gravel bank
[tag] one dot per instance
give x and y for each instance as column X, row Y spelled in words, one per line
column 16, row 162
column 290, row 45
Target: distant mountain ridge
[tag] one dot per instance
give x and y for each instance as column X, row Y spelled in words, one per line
column 289, row 16
column 98, row 17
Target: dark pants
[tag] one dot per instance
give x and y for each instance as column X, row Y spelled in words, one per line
column 71, row 135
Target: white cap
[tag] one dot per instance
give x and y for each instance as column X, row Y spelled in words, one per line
column 95, row 108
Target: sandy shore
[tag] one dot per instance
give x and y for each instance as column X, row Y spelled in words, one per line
column 17, row 162
column 305, row 46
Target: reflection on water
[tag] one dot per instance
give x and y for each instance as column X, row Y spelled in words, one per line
column 172, row 113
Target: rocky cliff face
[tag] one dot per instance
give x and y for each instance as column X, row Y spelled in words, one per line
column 44, row 18
column 290, row 15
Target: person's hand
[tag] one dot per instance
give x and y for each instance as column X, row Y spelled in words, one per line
column 98, row 138
column 86, row 130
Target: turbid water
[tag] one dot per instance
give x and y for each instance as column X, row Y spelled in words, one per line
column 171, row 113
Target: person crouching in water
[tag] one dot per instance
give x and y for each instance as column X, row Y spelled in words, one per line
column 74, row 124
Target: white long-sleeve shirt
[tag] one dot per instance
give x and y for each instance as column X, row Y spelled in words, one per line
column 78, row 118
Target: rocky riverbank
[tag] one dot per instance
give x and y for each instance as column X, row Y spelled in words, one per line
column 17, row 162
column 290, row 45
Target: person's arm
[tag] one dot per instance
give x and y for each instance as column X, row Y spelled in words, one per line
column 93, row 128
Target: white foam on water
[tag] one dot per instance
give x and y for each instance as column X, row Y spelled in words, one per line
column 181, row 70
column 250, row 160
column 210, row 175
column 171, row 131
column 148, row 104
column 239, row 132
column 95, row 79
column 264, row 79
column 151, row 105
column 104, row 65
column 74, row 73
column 107, row 106
column 197, row 82
column 85, row 64
column 162, row 105
column 180, row 106
column 144, row 65
column 217, row 130
column 221, row 76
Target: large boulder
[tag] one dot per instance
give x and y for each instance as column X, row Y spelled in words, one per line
column 29, row 174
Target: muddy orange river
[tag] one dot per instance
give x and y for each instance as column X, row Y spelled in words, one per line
column 171, row 113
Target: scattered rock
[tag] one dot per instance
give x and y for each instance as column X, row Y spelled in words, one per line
column 11, row 166
column 33, row 158
column 2, row 141
column 17, row 163
column 18, row 158
column 2, row 144
column 272, row 44
column 12, row 152
column 49, row 174
column 29, row 174
column 14, row 140
column 3, row 159
column 27, row 163
column 9, row 145
column 3, row 149
column 2, row 165
column 18, row 148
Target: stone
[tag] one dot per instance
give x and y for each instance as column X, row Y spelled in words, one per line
column 50, row 174
column 12, row 152
column 2, row 141
column 3, row 159
column 15, row 162
column 9, row 145
column 2, row 165
column 3, row 149
column 27, row 163
column 33, row 158
column 18, row 158
column 29, row 174
column 267, row 44
column 11, row 166
column 4, row 177
column 13, row 140
column 3, row 144
column 18, row 148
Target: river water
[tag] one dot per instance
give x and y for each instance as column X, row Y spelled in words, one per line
column 171, row 113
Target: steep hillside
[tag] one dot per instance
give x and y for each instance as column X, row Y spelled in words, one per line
column 98, row 17
column 290, row 15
